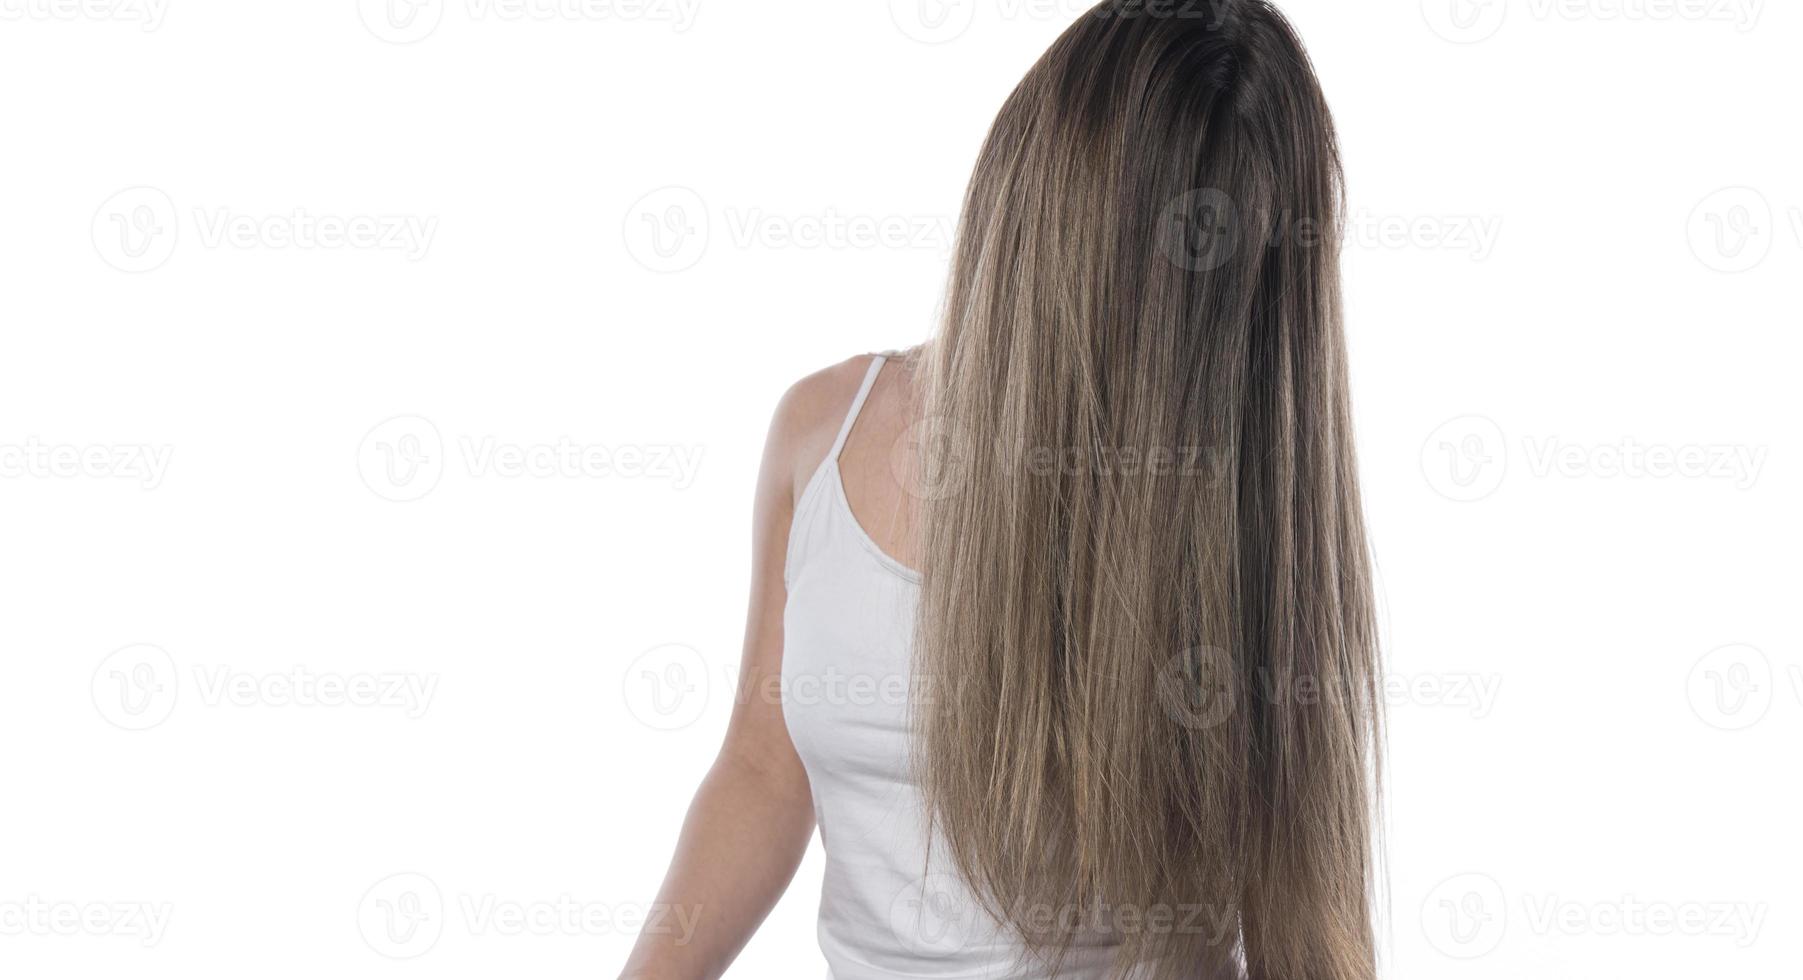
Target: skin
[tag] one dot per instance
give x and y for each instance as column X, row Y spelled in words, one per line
column 752, row 817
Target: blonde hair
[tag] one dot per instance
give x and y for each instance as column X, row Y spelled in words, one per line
column 1147, row 659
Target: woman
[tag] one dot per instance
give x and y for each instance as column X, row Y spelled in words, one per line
column 1136, row 727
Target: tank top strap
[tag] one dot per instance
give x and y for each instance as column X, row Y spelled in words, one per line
column 857, row 404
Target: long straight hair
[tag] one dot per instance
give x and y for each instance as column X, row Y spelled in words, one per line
column 1147, row 697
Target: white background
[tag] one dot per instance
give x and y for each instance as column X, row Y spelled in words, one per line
column 626, row 228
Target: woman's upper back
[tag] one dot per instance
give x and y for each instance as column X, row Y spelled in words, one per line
column 870, row 447
column 890, row 906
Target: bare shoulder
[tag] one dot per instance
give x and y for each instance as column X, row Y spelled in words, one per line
column 809, row 415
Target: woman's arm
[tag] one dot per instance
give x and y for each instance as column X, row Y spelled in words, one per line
column 750, row 822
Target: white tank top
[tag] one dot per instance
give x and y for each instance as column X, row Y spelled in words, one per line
column 847, row 649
